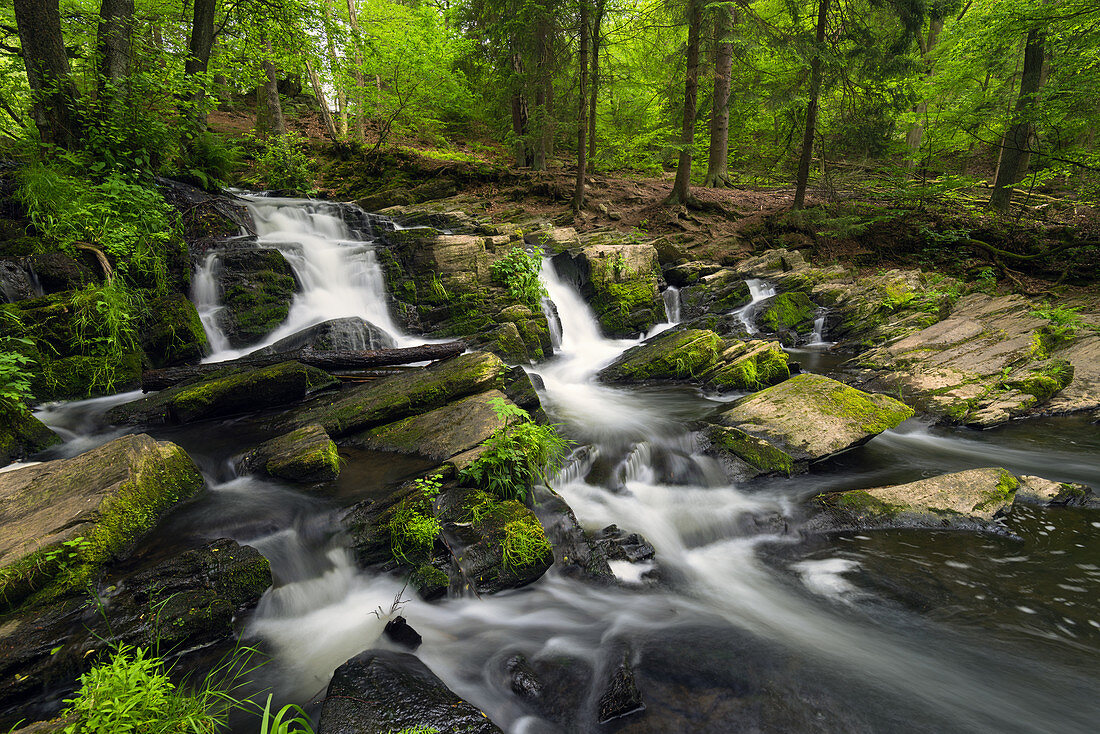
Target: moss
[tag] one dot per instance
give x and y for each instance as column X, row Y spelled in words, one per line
column 627, row 307
column 790, row 311
column 875, row 413
column 524, row 543
column 1001, row 494
column 755, row 452
column 860, row 502
column 509, row 344
column 81, row 377
column 316, row 461
column 21, row 434
column 754, row 371
column 429, row 581
column 674, row 355
column 1045, row 382
column 172, row 331
column 413, row 528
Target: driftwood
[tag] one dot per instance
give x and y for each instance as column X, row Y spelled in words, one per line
column 340, row 360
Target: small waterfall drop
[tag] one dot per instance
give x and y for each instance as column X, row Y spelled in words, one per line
column 671, row 297
column 206, row 296
column 759, row 291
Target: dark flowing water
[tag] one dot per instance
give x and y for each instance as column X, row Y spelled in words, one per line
column 752, row 627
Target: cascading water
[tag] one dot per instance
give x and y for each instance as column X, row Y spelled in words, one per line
column 759, row 291
column 207, row 299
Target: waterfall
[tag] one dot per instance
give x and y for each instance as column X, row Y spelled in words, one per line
column 671, row 297
column 759, row 291
column 206, row 296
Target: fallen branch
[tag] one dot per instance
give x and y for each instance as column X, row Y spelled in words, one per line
column 339, row 360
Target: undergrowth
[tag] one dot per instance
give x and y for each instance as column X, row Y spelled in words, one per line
column 519, row 271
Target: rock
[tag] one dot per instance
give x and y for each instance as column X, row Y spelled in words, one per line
column 620, row 546
column 674, row 354
column 970, row 498
column 575, row 553
column 62, row 520
column 522, row 678
column 16, row 283
column 170, row 331
column 743, row 455
column 623, row 279
column 56, row 272
column 508, row 344
column 748, row 365
column 810, row 417
column 382, row 691
column 21, row 434
column 229, row 392
column 688, row 273
column 408, row 392
column 441, row 433
column 789, row 315
column 620, row 696
column 304, row 455
column 187, row 603
column 351, row 333
column 399, row 632
column 1040, row 491
column 257, row 287
column 714, row 293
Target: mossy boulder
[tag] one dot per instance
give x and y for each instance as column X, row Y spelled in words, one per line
column 441, row 433
column 227, row 392
column 966, row 499
column 21, row 434
column 624, row 279
column 56, row 272
column 508, row 344
column 743, row 455
column 748, row 365
column 62, row 520
column 810, row 417
column 717, row 292
column 408, row 392
column 257, row 288
column 677, row 354
column 171, row 331
column 304, row 455
column 789, row 314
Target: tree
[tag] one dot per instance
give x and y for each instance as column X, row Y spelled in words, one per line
column 597, row 21
column 811, row 107
column 725, row 19
column 681, row 187
column 199, row 46
column 116, row 18
column 582, row 99
column 1018, row 139
column 55, row 95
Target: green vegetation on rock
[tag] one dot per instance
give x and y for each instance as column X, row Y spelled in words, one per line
column 525, row 543
column 792, row 311
column 676, row 354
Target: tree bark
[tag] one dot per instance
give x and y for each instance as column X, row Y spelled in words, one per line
column 718, row 156
column 357, row 72
column 271, row 93
column 811, row 108
column 597, row 20
column 582, row 101
column 681, row 187
column 55, row 95
column 340, row 360
column 334, row 68
column 543, row 88
column 1017, row 143
column 915, row 133
column 520, row 116
column 198, row 56
column 113, row 43
column 319, row 93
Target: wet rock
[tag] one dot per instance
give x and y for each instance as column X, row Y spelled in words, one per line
column 508, row 344
column 62, row 520
column 257, row 286
column 399, row 632
column 575, row 553
column 16, row 282
column 1040, row 491
column 304, row 455
column 810, row 417
column 688, row 273
column 334, row 335
column 171, row 332
column 56, row 272
column 714, row 293
column 21, row 434
column 745, row 456
column 522, row 678
column 966, row 499
column 383, row 691
column 619, row 279
column 750, row 365
column 620, row 696
column 618, row 545
column 408, row 392
column 229, row 392
column 188, row 602
column 675, row 354
column 441, row 433
column 790, row 315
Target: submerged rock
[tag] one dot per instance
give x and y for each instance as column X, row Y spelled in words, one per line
column 304, row 455
column 227, row 392
column 807, row 418
column 970, row 498
column 21, row 434
column 257, row 287
column 382, row 691
column 576, row 553
column 62, row 520
column 620, row 696
column 335, row 335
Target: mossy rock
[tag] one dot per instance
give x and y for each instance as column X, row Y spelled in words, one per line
column 1042, row 381
column 83, row 377
column 62, row 520
column 171, row 331
column 749, row 366
column 304, row 455
column 680, row 354
column 746, row 456
column 508, row 344
column 789, row 312
column 21, row 434
column 811, row 417
column 57, row 272
column 966, row 499
column 257, row 289
column 227, row 392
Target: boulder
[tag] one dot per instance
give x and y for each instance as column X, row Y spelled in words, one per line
column 967, row 499
column 576, row 553
column 304, row 455
column 1040, row 491
column 790, row 315
column 229, row 392
column 171, row 332
column 810, row 417
column 335, row 335
column 257, row 287
column 620, row 280
column 745, row 456
column 404, row 393
column 21, row 434
column 620, row 696
column 750, row 365
column 690, row 272
column 62, row 520
column 57, row 272
column 718, row 292
column 16, row 282
column 383, row 691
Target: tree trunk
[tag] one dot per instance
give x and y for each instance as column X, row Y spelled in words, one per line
column 542, row 98
column 198, row 55
column 271, row 94
column 1017, row 143
column 915, row 134
column 334, row 69
column 596, row 22
column 357, row 72
column 520, row 116
column 116, row 22
column 582, row 101
column 340, row 360
column 55, row 114
column 718, row 156
column 811, row 108
column 681, row 188
column 326, row 115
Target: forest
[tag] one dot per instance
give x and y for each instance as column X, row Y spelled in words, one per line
column 670, row 365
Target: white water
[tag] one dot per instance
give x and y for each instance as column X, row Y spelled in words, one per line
column 339, row 274
column 760, row 291
column 206, row 296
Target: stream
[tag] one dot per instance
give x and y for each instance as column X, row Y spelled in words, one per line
column 741, row 625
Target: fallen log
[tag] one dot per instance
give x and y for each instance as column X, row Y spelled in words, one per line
column 338, row 360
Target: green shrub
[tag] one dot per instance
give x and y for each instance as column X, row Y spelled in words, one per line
column 516, row 455
column 282, row 163
column 524, row 543
column 15, row 372
column 413, row 529
column 106, row 327
column 519, row 271
column 209, row 159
